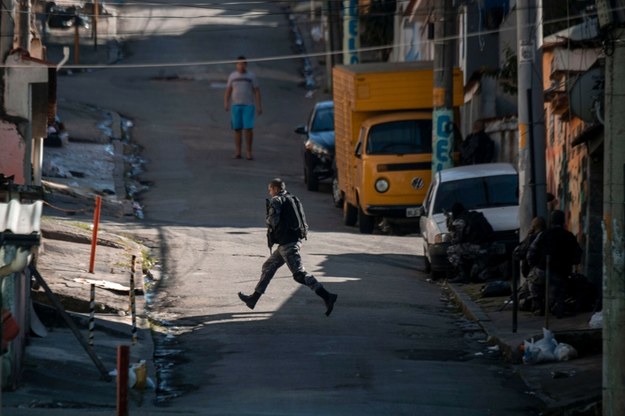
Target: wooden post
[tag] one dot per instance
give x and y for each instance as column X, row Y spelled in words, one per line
column 96, row 14
column 123, row 360
column 94, row 238
column 133, row 307
column 547, row 277
column 91, row 314
column 76, row 42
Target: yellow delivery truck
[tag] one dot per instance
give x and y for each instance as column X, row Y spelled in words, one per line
column 383, row 134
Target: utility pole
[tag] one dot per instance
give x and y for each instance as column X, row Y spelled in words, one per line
column 442, row 92
column 332, row 39
column 96, row 15
column 23, row 27
column 531, row 164
column 351, row 32
column 612, row 21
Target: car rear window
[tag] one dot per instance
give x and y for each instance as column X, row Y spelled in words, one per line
column 478, row 193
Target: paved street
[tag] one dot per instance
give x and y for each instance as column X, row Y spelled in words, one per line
column 393, row 345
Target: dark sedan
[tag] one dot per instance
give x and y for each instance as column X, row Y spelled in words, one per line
column 319, row 145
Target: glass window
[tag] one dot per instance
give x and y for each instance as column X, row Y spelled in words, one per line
column 324, row 120
column 400, row 137
column 478, row 193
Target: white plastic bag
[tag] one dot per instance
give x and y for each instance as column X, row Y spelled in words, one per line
column 596, row 320
column 564, row 352
column 541, row 350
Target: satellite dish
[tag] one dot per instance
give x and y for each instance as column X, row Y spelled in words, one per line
column 585, row 92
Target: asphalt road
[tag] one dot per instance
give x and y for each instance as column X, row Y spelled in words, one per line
column 393, row 344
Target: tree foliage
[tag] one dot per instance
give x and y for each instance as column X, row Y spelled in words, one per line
column 377, row 20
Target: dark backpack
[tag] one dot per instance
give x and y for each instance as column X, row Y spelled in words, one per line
column 294, row 216
column 478, row 230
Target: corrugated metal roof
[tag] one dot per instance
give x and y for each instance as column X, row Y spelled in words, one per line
column 20, row 218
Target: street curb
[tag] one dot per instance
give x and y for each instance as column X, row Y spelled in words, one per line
column 583, row 406
column 475, row 313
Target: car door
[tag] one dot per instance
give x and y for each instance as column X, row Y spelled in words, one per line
column 426, row 221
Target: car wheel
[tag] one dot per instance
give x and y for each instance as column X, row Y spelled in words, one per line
column 427, row 266
column 438, row 275
column 350, row 214
column 366, row 223
column 337, row 196
column 312, row 183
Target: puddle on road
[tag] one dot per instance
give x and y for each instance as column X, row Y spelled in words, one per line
column 167, row 357
column 168, row 354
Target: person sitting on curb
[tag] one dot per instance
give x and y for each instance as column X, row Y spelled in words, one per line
column 535, row 281
column 471, row 235
column 564, row 252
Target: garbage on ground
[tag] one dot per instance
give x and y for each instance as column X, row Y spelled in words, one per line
column 547, row 349
column 596, row 320
column 57, row 135
column 137, row 376
column 563, row 374
column 496, row 288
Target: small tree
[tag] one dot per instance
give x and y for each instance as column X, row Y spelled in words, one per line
column 377, row 20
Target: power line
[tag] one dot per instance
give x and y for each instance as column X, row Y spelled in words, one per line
column 271, row 58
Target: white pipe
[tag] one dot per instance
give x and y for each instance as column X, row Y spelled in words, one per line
column 65, row 58
column 19, row 262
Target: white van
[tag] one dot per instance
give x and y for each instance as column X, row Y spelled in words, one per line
column 491, row 188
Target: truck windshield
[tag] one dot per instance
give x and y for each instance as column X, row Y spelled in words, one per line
column 478, row 193
column 400, row 137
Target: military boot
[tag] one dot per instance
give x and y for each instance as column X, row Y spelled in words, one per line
column 328, row 298
column 250, row 300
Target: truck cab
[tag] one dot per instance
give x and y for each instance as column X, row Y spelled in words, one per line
column 392, row 167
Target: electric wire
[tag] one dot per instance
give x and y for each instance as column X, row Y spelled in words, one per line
column 479, row 33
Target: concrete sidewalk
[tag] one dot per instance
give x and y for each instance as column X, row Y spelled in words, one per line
column 568, row 387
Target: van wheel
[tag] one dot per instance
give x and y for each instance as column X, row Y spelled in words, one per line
column 337, row 197
column 366, row 223
column 350, row 214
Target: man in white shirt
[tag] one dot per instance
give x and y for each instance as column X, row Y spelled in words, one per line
column 242, row 99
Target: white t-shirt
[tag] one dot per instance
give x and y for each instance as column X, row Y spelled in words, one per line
column 243, row 86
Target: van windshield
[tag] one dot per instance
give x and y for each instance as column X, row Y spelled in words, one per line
column 478, row 193
column 400, row 137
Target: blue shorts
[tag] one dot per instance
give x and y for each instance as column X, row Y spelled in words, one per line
column 242, row 116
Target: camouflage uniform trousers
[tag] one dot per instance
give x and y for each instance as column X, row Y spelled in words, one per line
column 289, row 254
column 469, row 259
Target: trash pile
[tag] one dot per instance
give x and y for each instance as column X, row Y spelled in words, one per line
column 137, row 376
column 547, row 349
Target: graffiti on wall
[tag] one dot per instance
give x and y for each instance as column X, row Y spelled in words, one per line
column 13, row 152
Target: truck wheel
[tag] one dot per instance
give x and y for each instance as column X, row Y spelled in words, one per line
column 366, row 222
column 312, row 183
column 350, row 214
column 337, row 197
